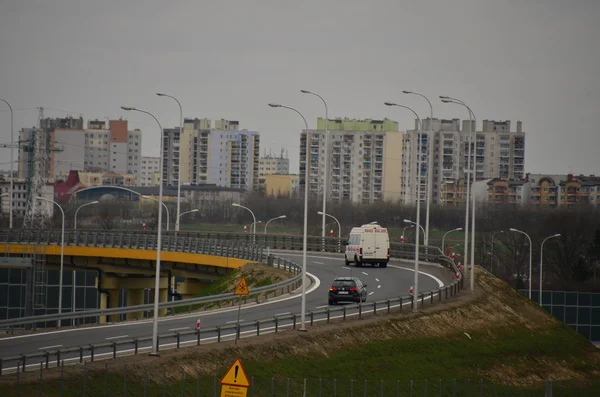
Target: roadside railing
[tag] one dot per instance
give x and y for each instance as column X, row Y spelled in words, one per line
column 177, row 339
column 209, row 243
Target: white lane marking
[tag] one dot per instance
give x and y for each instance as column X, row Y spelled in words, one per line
column 282, row 314
column 379, row 286
column 179, row 329
column 346, row 267
column 377, row 279
column 317, row 284
column 322, row 307
column 49, row 347
column 117, row 337
column 366, row 274
column 371, row 293
column 234, row 322
column 318, row 263
column 440, row 282
column 213, row 339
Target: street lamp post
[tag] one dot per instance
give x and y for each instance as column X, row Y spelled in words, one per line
column 458, row 229
column 415, row 224
column 472, row 171
column 272, row 219
column 253, row 217
column 187, row 212
column 404, row 230
column 161, row 203
column 62, row 255
column 253, row 226
column 530, row 248
column 77, row 210
column 305, row 232
column 12, row 142
column 178, row 161
column 326, row 159
column 335, row 219
column 542, row 262
column 431, row 144
column 416, row 287
column 159, row 238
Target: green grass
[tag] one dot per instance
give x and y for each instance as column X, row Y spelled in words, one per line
column 403, row 360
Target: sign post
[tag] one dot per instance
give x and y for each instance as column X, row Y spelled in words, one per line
column 235, row 383
column 241, row 289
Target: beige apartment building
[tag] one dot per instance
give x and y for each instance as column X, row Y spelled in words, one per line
column 364, row 164
column 276, row 185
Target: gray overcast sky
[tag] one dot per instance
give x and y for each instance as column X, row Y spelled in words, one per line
column 537, row 61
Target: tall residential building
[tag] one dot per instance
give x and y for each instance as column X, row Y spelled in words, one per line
column 149, row 166
column 363, row 162
column 225, row 155
column 497, row 152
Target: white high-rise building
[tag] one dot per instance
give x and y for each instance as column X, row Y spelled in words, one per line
column 224, row 155
column 497, row 153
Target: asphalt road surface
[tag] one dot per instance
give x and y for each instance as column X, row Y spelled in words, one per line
column 382, row 283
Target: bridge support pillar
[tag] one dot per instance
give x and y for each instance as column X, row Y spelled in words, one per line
column 103, row 305
column 163, row 294
column 190, row 288
column 135, row 297
column 113, row 302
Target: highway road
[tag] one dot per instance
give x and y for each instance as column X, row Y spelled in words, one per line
column 382, row 283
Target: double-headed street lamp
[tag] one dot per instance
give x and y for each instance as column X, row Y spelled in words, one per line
column 273, row 219
column 471, row 173
column 178, row 160
column 542, row 262
column 12, row 142
column 253, row 217
column 325, row 159
column 161, row 203
column 62, row 255
column 159, row 238
column 458, row 229
column 305, row 232
column 418, row 163
column 430, row 147
column 530, row 251
column 77, row 210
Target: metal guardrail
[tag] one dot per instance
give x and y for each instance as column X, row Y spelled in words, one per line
column 246, row 246
column 222, row 333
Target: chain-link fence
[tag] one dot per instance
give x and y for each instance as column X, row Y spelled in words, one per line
column 141, row 381
column 579, row 310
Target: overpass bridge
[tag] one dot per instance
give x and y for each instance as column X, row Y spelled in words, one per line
column 124, row 260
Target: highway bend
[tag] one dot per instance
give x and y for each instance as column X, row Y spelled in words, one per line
column 382, row 283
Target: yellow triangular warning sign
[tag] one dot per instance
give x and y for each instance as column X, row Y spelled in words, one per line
column 242, row 287
column 236, row 376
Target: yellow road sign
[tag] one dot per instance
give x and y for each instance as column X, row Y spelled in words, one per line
column 236, row 376
column 242, row 287
column 233, row 391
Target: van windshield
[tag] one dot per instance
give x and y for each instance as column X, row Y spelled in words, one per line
column 354, row 239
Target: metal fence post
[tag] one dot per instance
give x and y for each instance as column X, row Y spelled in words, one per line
column 334, row 387
column 351, row 387
column 62, row 378
column 365, row 389
column 125, row 380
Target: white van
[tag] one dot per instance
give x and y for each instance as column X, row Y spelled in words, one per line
column 368, row 244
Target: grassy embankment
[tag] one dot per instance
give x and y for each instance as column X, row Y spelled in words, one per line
column 495, row 336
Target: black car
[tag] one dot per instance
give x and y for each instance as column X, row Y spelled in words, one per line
column 347, row 289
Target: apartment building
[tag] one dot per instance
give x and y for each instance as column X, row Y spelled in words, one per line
column 70, row 147
column 277, row 185
column 546, row 191
column 149, row 171
column 497, row 152
column 19, row 204
column 364, row 166
column 269, row 164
